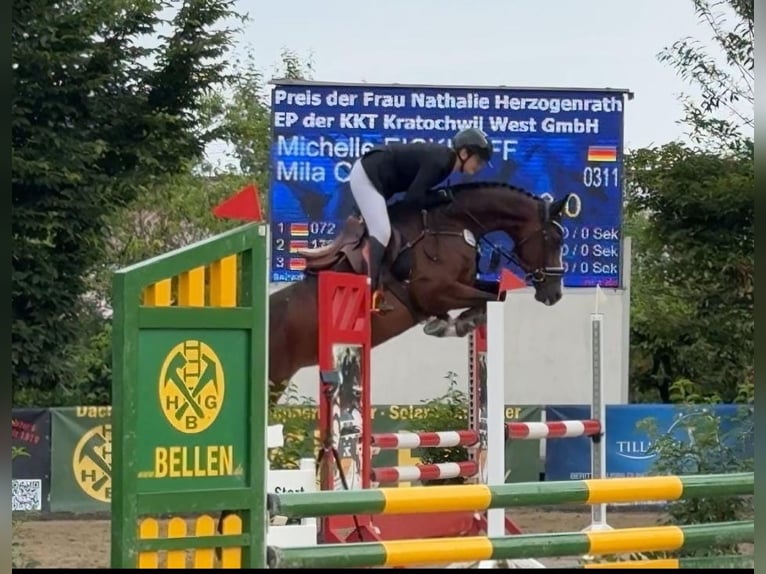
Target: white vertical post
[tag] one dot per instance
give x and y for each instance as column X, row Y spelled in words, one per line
column 598, row 412
column 495, row 410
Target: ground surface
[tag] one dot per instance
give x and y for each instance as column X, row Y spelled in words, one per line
column 79, row 543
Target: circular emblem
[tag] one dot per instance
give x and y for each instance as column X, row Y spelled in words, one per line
column 191, row 387
column 92, row 463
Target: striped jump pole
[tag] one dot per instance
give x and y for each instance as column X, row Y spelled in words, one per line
column 556, row 429
column 514, row 430
column 443, row 439
column 476, row 497
column 445, row 550
column 444, row 470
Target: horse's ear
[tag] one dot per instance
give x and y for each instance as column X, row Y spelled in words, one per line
column 557, row 207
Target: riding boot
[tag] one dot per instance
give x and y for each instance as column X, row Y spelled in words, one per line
column 377, row 251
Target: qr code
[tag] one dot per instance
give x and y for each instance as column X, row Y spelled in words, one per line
column 27, row 494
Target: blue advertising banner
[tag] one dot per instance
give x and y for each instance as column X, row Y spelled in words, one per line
column 548, row 141
column 626, row 446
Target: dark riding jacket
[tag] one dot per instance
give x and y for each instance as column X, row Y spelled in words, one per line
column 414, row 168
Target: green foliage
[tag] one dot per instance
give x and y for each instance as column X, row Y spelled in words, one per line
column 108, row 165
column 709, row 448
column 691, row 216
column 723, row 115
column 298, row 415
column 690, row 213
column 96, row 119
column 447, row 412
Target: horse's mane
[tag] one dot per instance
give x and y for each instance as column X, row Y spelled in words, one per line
column 468, row 185
column 403, row 207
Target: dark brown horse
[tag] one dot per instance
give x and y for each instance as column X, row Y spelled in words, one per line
column 432, row 258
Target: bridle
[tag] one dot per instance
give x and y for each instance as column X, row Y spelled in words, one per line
column 541, row 273
column 536, row 274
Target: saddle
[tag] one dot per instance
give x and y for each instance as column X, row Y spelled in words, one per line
column 349, row 244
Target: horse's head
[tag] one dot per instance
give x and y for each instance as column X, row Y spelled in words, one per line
column 534, row 225
column 539, row 250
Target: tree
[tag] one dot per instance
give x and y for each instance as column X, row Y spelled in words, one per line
column 97, row 117
column 176, row 209
column 691, row 215
column 690, row 212
column 723, row 117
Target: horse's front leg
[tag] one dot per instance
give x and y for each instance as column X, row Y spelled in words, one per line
column 459, row 296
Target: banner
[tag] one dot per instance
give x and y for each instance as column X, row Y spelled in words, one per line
column 31, row 459
column 81, row 459
column 627, row 447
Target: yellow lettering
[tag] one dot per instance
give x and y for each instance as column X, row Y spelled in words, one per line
column 210, row 402
column 160, row 462
column 175, row 456
column 226, row 456
column 393, row 412
column 212, row 461
column 373, row 412
column 93, row 412
column 197, row 461
column 198, row 471
column 191, row 422
column 513, row 412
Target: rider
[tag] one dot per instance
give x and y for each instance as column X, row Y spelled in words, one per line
column 413, row 168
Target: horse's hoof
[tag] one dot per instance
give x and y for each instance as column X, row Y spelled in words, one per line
column 439, row 328
column 436, row 327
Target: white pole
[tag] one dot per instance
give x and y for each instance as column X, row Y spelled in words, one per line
column 495, row 410
column 598, row 412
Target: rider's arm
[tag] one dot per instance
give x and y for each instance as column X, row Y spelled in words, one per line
column 432, row 171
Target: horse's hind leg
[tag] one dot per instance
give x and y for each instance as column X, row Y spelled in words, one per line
column 460, row 326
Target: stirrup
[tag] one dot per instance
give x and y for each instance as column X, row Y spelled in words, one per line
column 379, row 304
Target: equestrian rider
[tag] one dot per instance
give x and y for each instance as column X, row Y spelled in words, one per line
column 414, row 168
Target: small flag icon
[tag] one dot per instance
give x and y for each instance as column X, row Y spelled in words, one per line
column 298, row 244
column 297, row 264
column 510, row 281
column 602, row 153
column 242, row 205
column 299, row 229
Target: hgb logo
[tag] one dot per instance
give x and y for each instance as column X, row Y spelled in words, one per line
column 191, row 387
column 92, row 463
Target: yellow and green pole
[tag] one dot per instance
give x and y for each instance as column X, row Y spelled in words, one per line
column 481, row 497
column 445, row 550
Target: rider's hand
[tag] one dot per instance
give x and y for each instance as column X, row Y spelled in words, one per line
column 444, row 194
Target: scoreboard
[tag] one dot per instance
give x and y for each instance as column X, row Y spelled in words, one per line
column 548, row 141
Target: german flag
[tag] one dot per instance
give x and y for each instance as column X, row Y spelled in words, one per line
column 602, row 153
column 299, row 229
column 297, row 264
column 298, row 244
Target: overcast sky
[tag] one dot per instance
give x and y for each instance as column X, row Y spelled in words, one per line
column 545, row 43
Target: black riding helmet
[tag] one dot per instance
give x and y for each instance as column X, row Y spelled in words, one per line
column 475, row 141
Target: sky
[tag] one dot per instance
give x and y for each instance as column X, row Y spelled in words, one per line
column 540, row 43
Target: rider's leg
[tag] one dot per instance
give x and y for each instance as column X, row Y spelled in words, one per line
column 374, row 210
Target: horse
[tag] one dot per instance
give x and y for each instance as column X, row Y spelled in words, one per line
column 430, row 263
